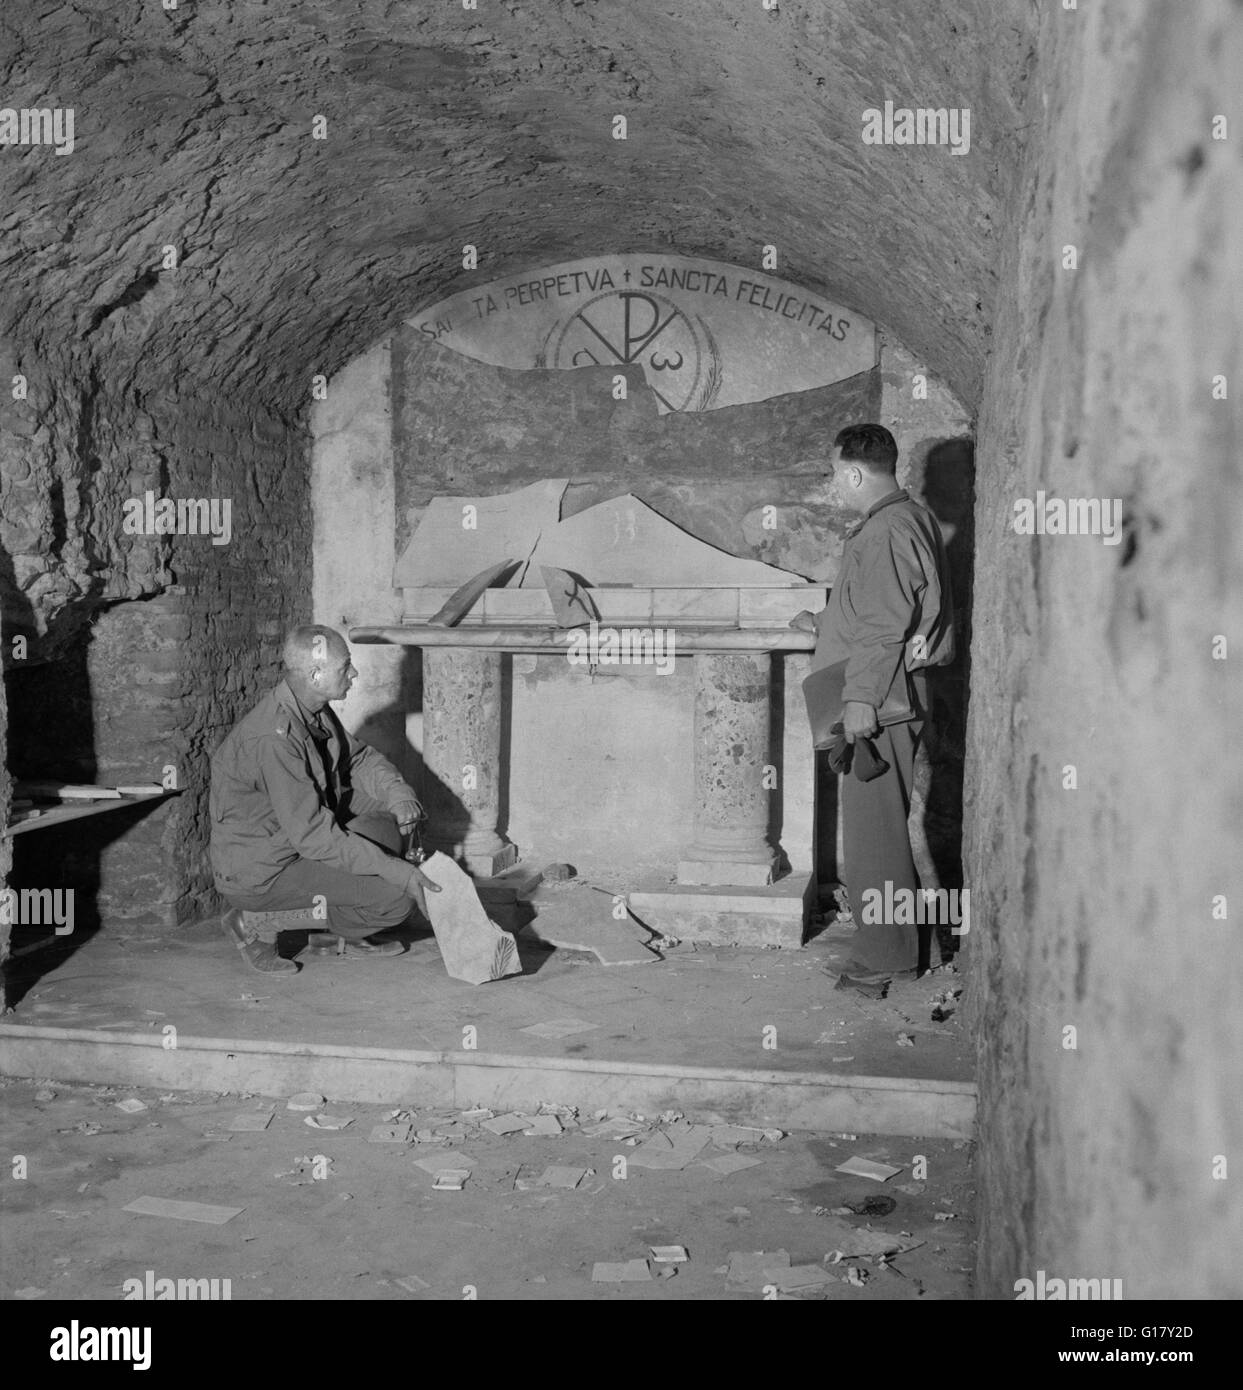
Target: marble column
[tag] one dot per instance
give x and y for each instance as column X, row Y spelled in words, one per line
column 462, row 690
column 730, row 835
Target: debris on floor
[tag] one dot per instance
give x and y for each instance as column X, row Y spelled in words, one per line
column 555, row 1175
column 617, row 1127
column 753, row 1269
column 440, row 1163
column 794, row 1278
column 507, row 1124
column 578, row 916
column 672, row 1147
column 851, row 1241
column 544, row 1127
column 305, row 1100
column 390, row 1134
column 451, row 1179
column 945, row 1004
column 669, row 1254
column 865, row 1168
column 872, row 1206
column 183, row 1211
column 474, row 949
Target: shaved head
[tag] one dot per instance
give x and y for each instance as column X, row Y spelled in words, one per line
column 313, row 646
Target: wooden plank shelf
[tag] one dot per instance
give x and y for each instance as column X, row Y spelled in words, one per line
column 57, row 813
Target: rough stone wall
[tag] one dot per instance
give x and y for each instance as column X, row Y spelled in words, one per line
column 1094, row 906
column 143, row 650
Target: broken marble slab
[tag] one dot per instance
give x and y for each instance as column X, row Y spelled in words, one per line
column 507, row 1124
column 571, row 600
column 457, row 537
column 451, row 1179
column 462, row 600
column 618, row 1127
column 560, row 1175
column 624, row 541
column 752, row 1268
column 474, row 948
column 390, row 1134
column 183, row 1211
column 577, row 917
column 442, row 1163
column 865, row 1168
column 672, row 1147
column 544, row 1127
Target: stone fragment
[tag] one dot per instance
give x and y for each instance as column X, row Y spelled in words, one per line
column 462, row 600
column 753, row 1269
column 624, row 541
column 183, row 1211
column 442, row 551
column 674, row 1147
column 390, row 1134
column 507, row 1124
column 572, row 604
column 442, row 1163
column 473, row 948
column 866, row 1168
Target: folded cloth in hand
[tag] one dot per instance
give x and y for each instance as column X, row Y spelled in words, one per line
column 860, row 756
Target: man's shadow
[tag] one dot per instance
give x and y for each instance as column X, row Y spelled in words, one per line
column 949, row 493
column 385, row 730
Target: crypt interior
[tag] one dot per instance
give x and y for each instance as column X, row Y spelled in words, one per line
column 355, row 266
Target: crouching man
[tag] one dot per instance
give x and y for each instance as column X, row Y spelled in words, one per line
column 304, row 816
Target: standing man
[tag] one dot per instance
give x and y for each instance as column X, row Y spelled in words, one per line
column 889, row 611
column 304, row 816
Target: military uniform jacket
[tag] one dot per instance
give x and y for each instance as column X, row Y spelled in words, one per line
column 274, row 797
column 891, row 604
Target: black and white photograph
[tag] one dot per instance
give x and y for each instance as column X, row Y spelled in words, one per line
column 620, row 629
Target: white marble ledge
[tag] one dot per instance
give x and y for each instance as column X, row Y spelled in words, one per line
column 729, row 607
column 509, row 637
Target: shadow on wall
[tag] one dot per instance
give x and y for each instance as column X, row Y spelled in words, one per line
column 949, row 493
column 50, row 735
column 384, row 729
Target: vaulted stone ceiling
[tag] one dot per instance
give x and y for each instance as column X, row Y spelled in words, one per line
column 193, row 127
